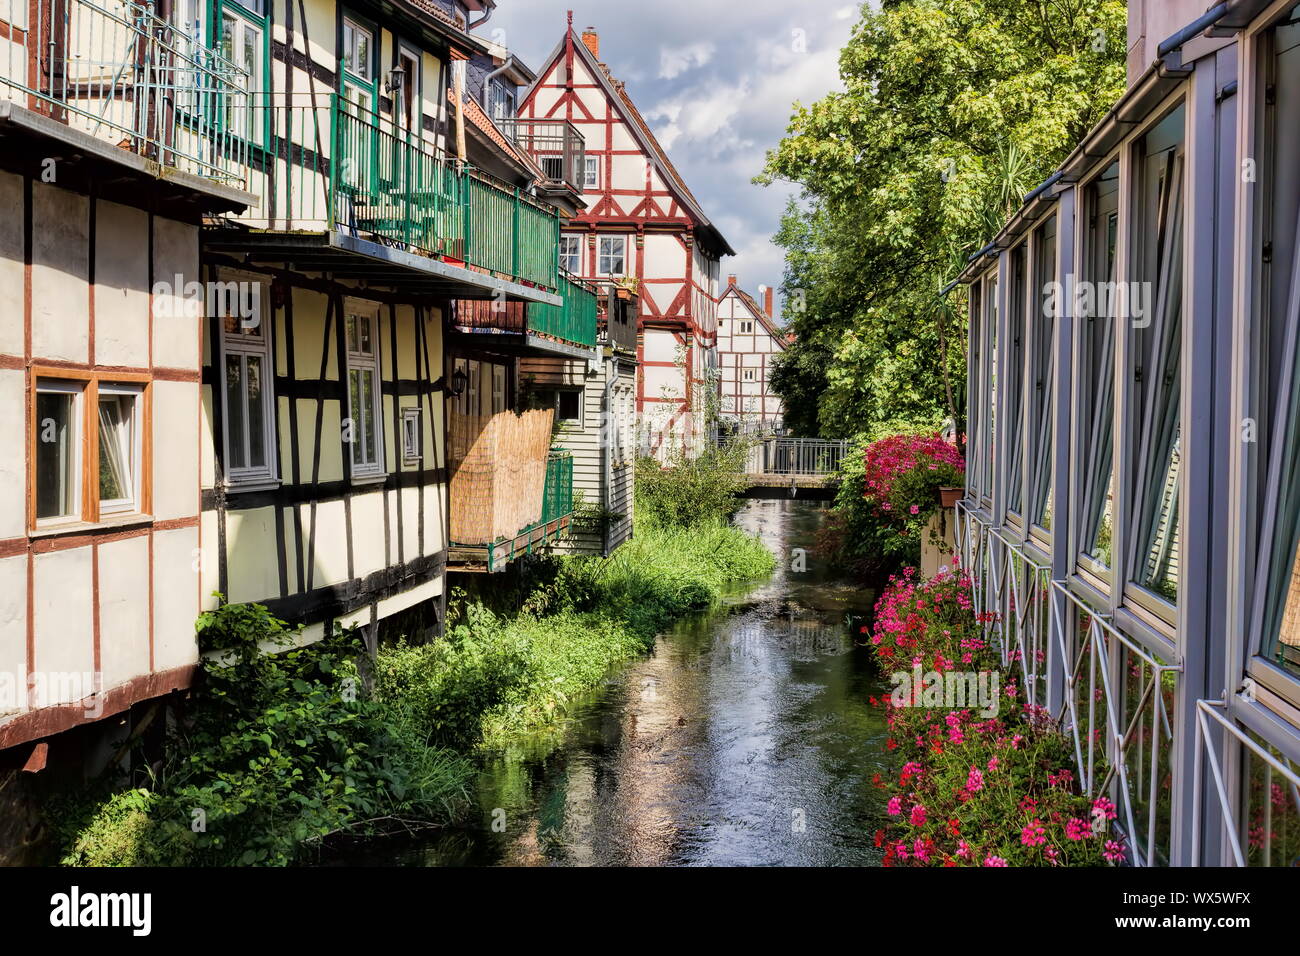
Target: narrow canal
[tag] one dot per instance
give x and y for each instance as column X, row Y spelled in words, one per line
column 745, row 738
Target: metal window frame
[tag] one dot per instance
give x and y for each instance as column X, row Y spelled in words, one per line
column 1258, row 605
column 1139, row 476
column 1099, row 374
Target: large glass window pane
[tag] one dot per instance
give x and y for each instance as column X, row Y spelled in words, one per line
column 117, row 443
column 56, row 455
column 1278, row 215
column 236, row 409
column 1155, row 310
column 256, row 419
column 1042, row 375
column 1096, row 317
column 1012, row 378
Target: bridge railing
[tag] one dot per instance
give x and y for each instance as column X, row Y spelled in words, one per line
column 795, row 456
column 802, row 456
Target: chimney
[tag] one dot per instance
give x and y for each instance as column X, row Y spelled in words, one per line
column 767, row 300
column 731, row 280
column 591, row 40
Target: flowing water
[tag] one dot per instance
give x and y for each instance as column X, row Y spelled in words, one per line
column 745, row 738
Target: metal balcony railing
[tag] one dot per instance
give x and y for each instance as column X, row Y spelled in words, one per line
column 116, row 71
column 336, row 167
column 619, row 307
column 557, row 499
column 555, row 144
column 573, row 323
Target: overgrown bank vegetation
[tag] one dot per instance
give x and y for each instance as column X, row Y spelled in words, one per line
column 280, row 753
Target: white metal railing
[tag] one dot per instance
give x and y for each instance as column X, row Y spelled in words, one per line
column 1275, row 793
column 1116, row 696
column 116, row 71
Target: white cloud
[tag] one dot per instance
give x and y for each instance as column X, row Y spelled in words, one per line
column 674, row 61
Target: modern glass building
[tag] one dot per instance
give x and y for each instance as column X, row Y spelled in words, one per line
column 1132, row 511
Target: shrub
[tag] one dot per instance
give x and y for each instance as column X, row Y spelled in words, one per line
column 687, row 491
column 903, row 475
column 281, row 748
column 974, row 789
column 862, row 540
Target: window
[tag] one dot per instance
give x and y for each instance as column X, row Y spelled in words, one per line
column 119, row 441
column 1042, row 373
column 498, row 388
column 502, row 101
column 746, row 326
column 363, row 430
column 243, row 43
column 591, row 177
column 412, row 436
column 249, row 409
column 358, row 45
column 89, row 450
column 571, row 254
column 568, row 406
column 1156, row 364
column 749, row 375
column 611, row 255
column 989, row 383
column 1095, row 324
column 58, row 451
column 1012, row 382
column 1277, row 597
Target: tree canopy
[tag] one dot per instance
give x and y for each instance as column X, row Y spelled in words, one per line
column 952, row 110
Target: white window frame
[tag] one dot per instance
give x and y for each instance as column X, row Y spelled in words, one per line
column 132, row 503
column 575, row 255
column 749, row 375
column 76, row 443
column 256, row 82
column 591, row 172
column 235, row 343
column 746, row 327
column 351, row 29
column 580, row 420
column 412, row 435
column 375, row 464
column 605, row 260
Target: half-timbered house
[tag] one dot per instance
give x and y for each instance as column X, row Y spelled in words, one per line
column 112, row 151
column 748, row 339
column 641, row 222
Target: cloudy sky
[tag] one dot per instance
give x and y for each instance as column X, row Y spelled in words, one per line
column 716, row 79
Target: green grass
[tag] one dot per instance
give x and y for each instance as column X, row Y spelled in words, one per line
column 278, row 760
column 495, row 677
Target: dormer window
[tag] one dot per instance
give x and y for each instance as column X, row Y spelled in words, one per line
column 502, row 101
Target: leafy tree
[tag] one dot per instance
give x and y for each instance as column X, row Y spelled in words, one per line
column 951, row 111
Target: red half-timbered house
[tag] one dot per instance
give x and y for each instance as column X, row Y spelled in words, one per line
column 642, row 222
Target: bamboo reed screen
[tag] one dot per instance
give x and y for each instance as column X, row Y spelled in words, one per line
column 498, row 473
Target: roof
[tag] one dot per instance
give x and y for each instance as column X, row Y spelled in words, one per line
column 760, row 313
column 616, row 90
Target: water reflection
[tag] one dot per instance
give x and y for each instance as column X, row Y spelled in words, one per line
column 744, row 739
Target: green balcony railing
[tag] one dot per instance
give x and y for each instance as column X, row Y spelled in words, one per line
column 329, row 164
column 574, row 321
column 557, row 499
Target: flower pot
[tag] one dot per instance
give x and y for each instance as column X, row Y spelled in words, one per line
column 948, row 497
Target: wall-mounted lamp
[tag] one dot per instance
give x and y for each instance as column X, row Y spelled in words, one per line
column 458, row 382
column 395, row 80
